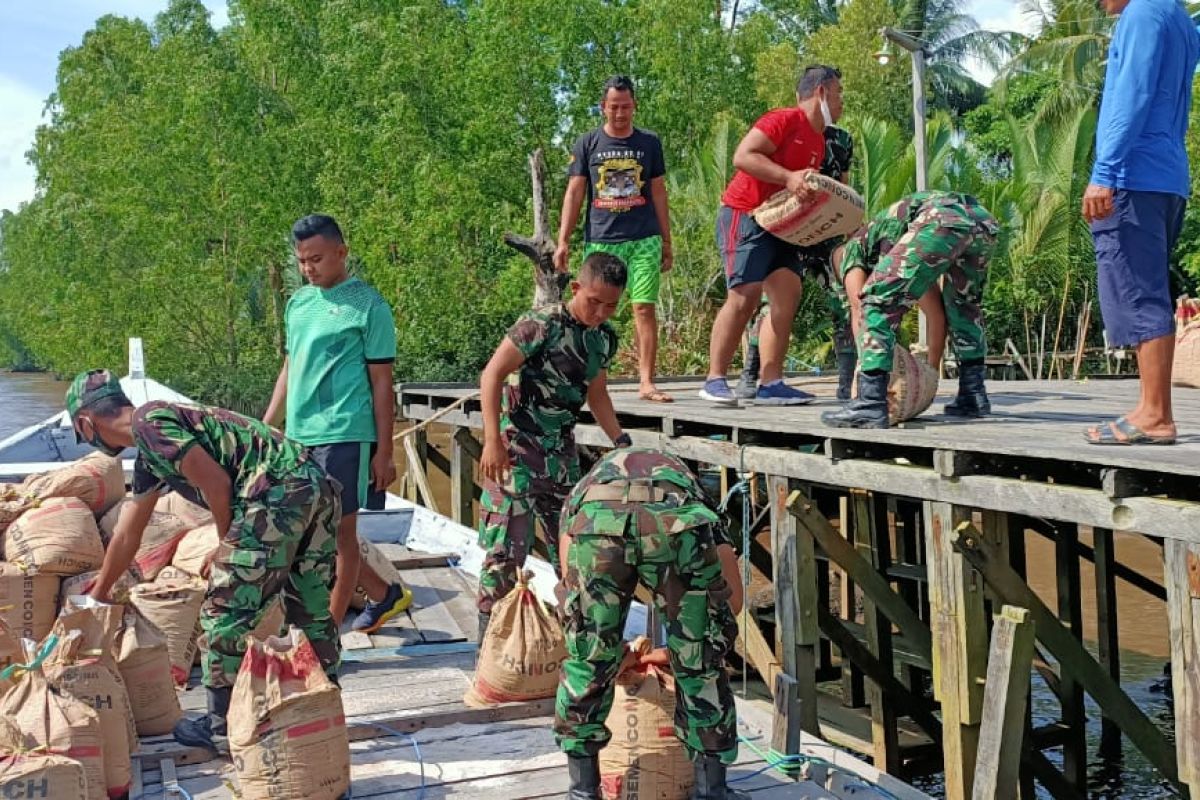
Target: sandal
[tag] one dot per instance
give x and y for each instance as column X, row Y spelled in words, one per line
column 656, row 396
column 1106, row 434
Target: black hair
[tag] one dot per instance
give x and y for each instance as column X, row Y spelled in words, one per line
column 622, row 83
column 317, row 225
column 604, row 267
column 109, row 407
column 814, row 77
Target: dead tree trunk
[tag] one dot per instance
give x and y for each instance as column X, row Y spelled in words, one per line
column 548, row 282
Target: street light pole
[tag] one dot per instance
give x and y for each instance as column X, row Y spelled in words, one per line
column 917, row 48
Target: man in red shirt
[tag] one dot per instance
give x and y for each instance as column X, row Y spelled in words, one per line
column 779, row 152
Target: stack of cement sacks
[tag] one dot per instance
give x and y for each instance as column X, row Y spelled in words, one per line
column 79, row 680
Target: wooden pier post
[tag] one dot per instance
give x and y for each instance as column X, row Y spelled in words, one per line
column 873, row 543
column 1005, row 696
column 796, row 631
column 1070, row 612
column 1182, row 577
column 462, row 478
column 1108, row 642
column 959, row 630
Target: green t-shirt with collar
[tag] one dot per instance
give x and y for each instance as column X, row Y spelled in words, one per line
column 332, row 335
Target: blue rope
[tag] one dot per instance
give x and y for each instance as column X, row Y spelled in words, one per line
column 416, row 749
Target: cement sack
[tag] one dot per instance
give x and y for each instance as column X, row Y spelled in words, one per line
column 644, row 760
column 10, row 653
column 287, row 729
column 521, row 652
column 177, row 505
column 96, row 479
column 83, row 667
column 373, row 559
column 55, row 723
column 172, row 605
column 13, row 504
column 195, row 546
column 59, row 537
column 28, row 601
column 912, row 387
column 145, row 667
column 1185, row 370
column 32, row 774
column 833, row 210
column 159, row 540
column 82, row 584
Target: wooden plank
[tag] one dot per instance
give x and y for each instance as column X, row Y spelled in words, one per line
column 959, row 646
column 1107, row 629
column 400, row 654
column 433, row 621
column 1143, row 733
column 462, row 479
column 1004, row 701
column 755, row 649
column 863, row 574
column 1070, row 613
column 808, row 631
column 415, row 448
column 789, row 706
column 873, row 541
column 785, row 730
column 403, row 559
column 1183, row 610
column 854, row 689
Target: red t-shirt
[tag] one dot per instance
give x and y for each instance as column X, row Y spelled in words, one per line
column 797, row 146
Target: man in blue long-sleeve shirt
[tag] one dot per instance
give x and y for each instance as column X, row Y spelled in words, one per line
column 1136, row 198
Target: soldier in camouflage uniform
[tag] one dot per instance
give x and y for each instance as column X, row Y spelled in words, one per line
column 560, row 356
column 275, row 509
column 839, row 155
column 641, row 516
column 905, row 250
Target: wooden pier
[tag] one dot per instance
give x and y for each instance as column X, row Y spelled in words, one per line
column 890, row 552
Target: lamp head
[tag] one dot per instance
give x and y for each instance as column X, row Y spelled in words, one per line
column 884, row 55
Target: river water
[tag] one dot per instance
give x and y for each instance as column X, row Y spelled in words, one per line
column 29, row 398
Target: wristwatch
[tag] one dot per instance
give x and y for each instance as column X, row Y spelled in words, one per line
column 623, row 440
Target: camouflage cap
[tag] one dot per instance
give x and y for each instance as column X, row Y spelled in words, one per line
column 90, row 387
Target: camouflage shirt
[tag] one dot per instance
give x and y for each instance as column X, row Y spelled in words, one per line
column 254, row 455
column 882, row 232
column 562, row 356
column 839, row 153
column 688, row 508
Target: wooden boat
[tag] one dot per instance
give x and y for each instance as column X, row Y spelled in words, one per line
column 402, row 687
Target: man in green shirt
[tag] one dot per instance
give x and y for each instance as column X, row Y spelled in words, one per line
column 336, row 385
column 275, row 511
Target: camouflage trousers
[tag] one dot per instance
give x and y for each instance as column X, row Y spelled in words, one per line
column 282, row 542
column 683, row 573
column 538, row 482
column 938, row 244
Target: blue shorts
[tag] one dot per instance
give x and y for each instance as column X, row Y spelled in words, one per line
column 349, row 463
column 748, row 253
column 1133, row 248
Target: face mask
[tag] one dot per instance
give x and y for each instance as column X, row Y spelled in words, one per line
column 825, row 113
column 98, row 443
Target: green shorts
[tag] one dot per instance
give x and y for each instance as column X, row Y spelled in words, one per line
column 643, row 259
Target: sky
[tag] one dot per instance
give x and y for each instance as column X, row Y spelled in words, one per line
column 32, row 34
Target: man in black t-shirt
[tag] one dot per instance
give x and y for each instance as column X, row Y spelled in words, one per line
column 619, row 170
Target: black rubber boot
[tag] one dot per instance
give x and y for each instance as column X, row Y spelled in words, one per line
column 208, row 731
column 846, row 365
column 484, row 619
column 972, row 400
column 710, row 781
column 584, row 772
column 869, row 410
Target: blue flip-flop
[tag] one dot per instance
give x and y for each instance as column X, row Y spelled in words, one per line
column 1106, row 434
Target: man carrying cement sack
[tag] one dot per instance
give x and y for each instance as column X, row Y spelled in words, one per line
column 276, row 511
column 336, row 387
column 905, row 250
column 640, row 515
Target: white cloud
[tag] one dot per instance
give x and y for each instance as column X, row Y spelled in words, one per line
column 22, row 114
column 996, row 15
